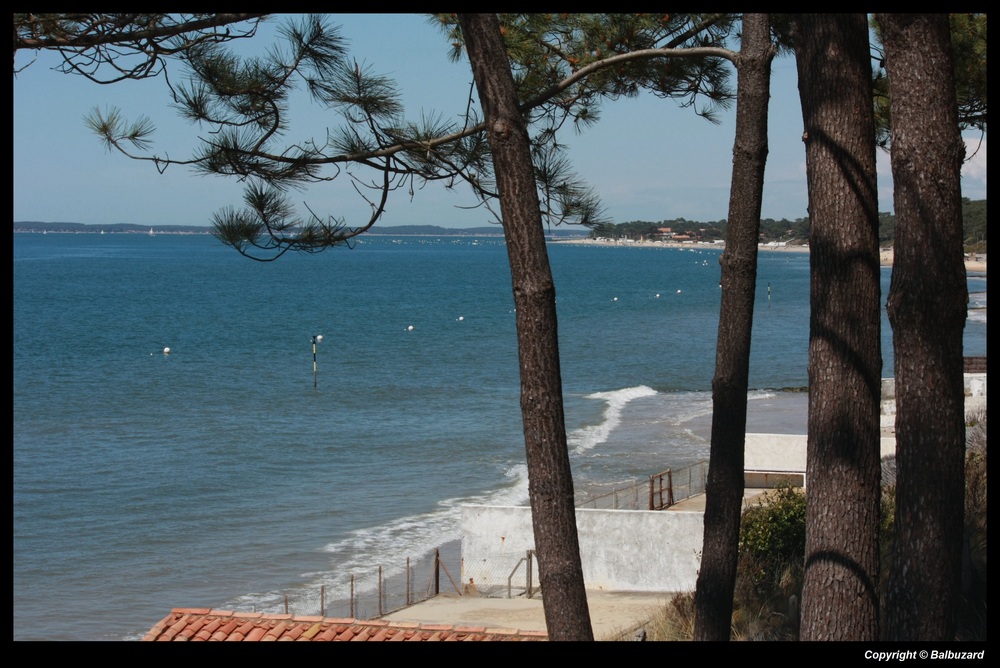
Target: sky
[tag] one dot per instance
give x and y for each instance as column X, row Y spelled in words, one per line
column 647, row 158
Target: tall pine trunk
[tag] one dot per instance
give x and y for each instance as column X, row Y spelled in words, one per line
column 927, row 308
column 550, row 482
column 840, row 595
column 724, row 489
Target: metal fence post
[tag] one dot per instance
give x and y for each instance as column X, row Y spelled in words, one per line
column 437, row 572
column 380, row 590
column 531, row 569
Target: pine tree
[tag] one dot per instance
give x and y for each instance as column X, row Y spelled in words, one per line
column 927, row 309
column 724, row 488
column 107, row 48
column 840, row 597
column 550, row 485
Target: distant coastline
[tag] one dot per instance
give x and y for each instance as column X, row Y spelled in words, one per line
column 395, row 230
column 36, row 227
column 793, row 248
column 975, row 264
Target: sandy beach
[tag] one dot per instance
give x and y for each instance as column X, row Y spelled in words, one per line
column 973, row 265
column 976, row 265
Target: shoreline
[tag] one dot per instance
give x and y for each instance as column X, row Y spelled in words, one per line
column 976, row 265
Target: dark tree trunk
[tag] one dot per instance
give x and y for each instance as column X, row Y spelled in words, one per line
column 927, row 308
column 550, row 482
column 724, row 489
column 840, row 595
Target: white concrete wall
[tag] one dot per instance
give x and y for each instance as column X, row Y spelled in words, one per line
column 781, row 453
column 975, row 393
column 621, row 550
column 775, row 452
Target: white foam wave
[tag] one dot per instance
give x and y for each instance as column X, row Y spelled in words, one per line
column 977, row 307
column 760, row 394
column 585, row 438
column 683, row 407
column 362, row 552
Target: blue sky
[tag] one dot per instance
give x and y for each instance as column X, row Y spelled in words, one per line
column 647, row 158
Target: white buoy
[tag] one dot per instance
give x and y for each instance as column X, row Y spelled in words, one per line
column 461, row 318
column 615, row 299
column 657, row 295
column 166, row 351
column 678, row 292
column 410, row 328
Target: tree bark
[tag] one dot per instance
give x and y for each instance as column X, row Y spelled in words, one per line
column 550, row 481
column 724, row 488
column 927, row 309
column 840, row 596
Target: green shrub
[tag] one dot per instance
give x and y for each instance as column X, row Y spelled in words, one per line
column 771, row 556
column 776, row 526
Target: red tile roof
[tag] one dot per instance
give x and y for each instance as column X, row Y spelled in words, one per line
column 209, row 624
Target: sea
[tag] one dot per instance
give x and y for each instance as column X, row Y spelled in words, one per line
column 180, row 442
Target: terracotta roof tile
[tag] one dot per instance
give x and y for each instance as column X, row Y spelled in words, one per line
column 183, row 624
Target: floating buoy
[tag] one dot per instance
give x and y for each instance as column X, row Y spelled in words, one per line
column 678, row 292
column 657, row 295
column 410, row 328
column 615, row 299
column 166, row 351
column 461, row 318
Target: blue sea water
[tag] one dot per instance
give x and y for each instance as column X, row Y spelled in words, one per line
column 219, row 476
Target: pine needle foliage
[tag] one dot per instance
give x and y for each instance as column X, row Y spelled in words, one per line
column 565, row 66
column 108, row 48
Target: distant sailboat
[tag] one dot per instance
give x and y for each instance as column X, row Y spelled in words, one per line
column 151, row 232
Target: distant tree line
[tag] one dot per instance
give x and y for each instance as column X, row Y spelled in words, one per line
column 109, row 228
column 794, row 232
column 791, row 231
column 394, row 230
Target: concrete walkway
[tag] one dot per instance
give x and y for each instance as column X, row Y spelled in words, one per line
column 697, row 502
column 610, row 612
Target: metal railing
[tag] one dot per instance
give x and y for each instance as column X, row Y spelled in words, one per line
column 376, row 593
column 529, row 587
column 658, row 492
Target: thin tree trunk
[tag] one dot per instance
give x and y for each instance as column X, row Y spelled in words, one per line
column 840, row 595
column 550, row 482
column 927, row 308
column 724, row 489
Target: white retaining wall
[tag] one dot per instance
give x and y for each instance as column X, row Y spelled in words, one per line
column 621, row 550
column 786, row 453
